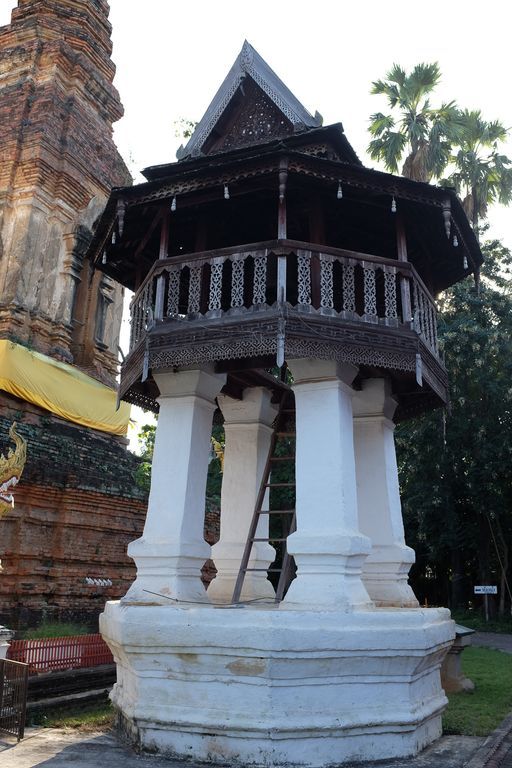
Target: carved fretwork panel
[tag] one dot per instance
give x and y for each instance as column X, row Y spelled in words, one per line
column 251, row 117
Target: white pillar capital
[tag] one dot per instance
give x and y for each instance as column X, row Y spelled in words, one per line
column 197, row 382
column 311, row 371
column 172, row 549
column 254, row 408
column 248, row 432
column 374, row 399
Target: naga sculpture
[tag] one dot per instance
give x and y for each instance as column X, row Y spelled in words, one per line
column 11, row 467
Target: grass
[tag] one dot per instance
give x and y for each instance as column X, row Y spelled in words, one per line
column 55, row 629
column 86, row 719
column 480, row 712
column 476, row 620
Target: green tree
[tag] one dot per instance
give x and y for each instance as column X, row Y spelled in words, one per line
column 146, row 438
column 415, row 133
column 481, row 174
column 456, row 468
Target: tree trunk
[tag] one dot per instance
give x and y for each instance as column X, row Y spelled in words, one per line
column 474, row 216
column 457, row 580
column 503, row 558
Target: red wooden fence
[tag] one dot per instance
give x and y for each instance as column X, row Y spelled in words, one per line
column 55, row 654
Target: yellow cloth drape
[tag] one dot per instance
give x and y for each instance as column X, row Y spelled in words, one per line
column 61, row 389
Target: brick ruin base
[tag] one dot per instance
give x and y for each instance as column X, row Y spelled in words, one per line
column 76, row 508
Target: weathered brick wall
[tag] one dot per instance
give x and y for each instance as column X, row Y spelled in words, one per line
column 58, row 163
column 77, row 508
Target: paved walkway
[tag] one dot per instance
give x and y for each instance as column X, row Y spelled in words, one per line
column 60, row 748
column 497, row 640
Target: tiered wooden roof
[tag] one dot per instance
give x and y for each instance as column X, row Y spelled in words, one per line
column 260, row 174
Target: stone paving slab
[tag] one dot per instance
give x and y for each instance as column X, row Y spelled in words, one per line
column 60, row 748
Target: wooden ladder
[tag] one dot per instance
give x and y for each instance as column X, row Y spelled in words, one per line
column 280, row 456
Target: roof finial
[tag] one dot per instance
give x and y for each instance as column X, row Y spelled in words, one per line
column 246, row 56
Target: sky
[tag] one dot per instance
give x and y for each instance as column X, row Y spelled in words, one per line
column 171, row 57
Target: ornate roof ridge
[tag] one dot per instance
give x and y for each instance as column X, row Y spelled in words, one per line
column 249, row 62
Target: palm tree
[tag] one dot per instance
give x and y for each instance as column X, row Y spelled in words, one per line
column 421, row 134
column 481, row 174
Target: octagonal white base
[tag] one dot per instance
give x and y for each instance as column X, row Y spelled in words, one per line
column 269, row 687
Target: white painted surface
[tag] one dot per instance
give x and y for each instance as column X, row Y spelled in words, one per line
column 386, row 569
column 328, row 547
column 172, row 550
column 270, row 687
column 248, row 433
column 5, row 637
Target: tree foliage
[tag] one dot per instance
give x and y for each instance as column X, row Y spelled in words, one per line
column 480, row 173
column 415, row 133
column 456, row 467
column 436, row 142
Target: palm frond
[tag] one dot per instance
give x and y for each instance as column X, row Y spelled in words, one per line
column 389, row 149
column 380, row 123
column 397, row 75
column 422, row 80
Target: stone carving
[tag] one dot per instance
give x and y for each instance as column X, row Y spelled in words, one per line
column 11, row 468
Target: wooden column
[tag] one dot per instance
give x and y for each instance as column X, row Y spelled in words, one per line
column 281, row 216
column 317, row 236
column 281, row 260
column 163, row 252
column 405, row 291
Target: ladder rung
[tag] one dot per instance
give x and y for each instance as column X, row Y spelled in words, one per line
column 276, row 511
column 267, row 570
column 282, row 458
column 285, row 434
column 279, row 485
column 272, row 538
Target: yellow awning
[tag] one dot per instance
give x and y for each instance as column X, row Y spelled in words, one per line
column 61, row 389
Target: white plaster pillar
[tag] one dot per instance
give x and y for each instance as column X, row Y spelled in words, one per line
column 386, row 569
column 329, row 549
column 172, row 550
column 248, row 430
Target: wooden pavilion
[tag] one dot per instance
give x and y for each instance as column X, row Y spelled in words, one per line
column 269, row 239
column 269, row 243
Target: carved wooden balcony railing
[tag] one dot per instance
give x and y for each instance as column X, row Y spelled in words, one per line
column 354, row 287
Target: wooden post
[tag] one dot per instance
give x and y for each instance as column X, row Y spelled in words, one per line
column 160, row 283
column 281, row 260
column 281, row 217
column 405, row 289
column 317, row 236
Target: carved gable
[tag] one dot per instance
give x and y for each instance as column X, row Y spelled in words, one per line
column 251, row 106
column 250, row 118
